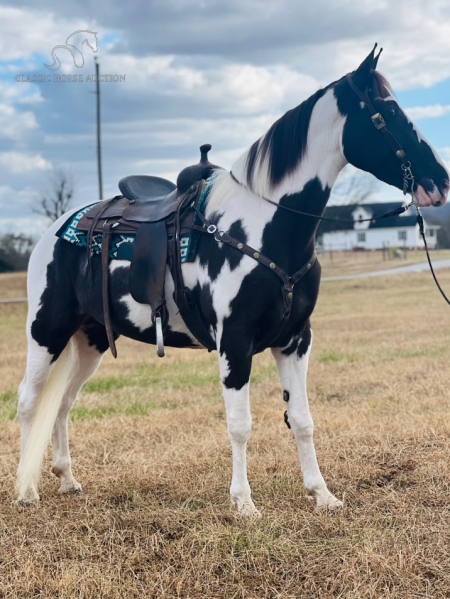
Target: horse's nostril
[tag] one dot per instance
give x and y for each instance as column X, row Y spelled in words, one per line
column 438, row 203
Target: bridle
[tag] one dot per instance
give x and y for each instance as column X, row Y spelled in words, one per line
column 380, row 124
column 408, row 178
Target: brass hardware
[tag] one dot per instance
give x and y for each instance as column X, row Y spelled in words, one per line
column 290, row 295
column 256, row 255
column 272, row 265
column 240, row 246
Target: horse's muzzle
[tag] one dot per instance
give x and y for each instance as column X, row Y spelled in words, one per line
column 436, row 197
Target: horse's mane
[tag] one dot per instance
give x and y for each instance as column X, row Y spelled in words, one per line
column 284, row 144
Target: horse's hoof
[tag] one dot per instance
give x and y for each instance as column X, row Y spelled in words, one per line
column 76, row 490
column 248, row 511
column 28, row 503
column 331, row 504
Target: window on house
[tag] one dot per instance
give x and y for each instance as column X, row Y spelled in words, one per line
column 429, row 232
column 361, row 237
column 402, row 235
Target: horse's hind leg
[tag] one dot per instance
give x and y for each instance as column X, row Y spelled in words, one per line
column 292, row 364
column 39, row 365
column 89, row 343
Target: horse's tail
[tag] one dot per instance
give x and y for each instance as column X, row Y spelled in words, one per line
column 43, row 422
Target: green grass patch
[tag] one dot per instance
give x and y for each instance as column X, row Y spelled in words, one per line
column 334, row 356
column 183, row 375
column 8, row 406
column 422, row 352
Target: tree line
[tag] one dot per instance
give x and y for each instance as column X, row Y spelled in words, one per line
column 16, row 248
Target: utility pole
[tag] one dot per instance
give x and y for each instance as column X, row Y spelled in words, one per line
column 99, row 145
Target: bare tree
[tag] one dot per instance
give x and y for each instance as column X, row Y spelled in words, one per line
column 57, row 201
column 355, row 188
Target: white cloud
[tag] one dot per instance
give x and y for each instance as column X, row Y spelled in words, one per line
column 19, row 162
column 231, row 89
column 427, row 112
column 25, row 32
column 15, row 124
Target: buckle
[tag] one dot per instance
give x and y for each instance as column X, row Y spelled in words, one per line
column 211, row 229
column 378, row 121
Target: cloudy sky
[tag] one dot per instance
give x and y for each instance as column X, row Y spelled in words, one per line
column 196, row 71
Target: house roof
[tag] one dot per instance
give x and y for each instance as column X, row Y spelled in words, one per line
column 345, row 213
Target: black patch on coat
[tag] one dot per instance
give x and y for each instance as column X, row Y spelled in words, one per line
column 251, row 162
column 284, row 143
column 286, row 420
column 305, row 341
column 203, row 297
column 286, row 396
column 96, row 334
column 299, row 343
column 58, row 317
column 288, row 239
column 213, row 257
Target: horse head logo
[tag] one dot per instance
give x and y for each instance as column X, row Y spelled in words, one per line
column 74, row 46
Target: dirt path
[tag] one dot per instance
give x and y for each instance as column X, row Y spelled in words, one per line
column 399, row 270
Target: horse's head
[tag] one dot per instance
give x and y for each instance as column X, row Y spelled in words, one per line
column 379, row 138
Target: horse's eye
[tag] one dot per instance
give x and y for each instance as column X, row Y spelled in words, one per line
column 392, row 111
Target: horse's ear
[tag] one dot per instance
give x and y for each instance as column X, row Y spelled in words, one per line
column 375, row 59
column 361, row 76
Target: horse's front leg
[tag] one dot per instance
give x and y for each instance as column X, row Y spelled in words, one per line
column 292, row 364
column 235, row 367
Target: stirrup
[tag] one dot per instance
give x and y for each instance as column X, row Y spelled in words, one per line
column 159, row 337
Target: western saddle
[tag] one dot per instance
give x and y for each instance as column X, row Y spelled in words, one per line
column 157, row 213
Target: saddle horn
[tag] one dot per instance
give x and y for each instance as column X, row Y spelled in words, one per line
column 196, row 172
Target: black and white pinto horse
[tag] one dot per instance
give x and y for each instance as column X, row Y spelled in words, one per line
column 295, row 165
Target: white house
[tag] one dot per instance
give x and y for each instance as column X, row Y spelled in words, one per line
column 398, row 231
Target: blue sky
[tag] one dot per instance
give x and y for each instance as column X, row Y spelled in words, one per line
column 196, row 72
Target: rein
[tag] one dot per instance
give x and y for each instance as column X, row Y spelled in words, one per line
column 422, row 234
column 395, row 212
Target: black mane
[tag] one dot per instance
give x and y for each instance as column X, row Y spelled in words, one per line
column 284, row 143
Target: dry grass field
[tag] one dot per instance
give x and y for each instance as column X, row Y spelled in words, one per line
column 149, row 445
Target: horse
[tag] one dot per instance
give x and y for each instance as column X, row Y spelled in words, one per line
column 270, row 201
column 75, row 48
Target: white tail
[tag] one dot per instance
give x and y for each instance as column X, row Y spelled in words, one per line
column 42, row 427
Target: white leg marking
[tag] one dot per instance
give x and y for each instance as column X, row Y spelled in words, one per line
column 36, row 376
column 292, row 372
column 86, row 361
column 239, row 422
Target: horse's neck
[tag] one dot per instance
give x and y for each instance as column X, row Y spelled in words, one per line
column 323, row 157
column 290, row 238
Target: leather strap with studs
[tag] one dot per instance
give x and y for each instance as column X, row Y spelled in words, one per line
column 288, row 281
